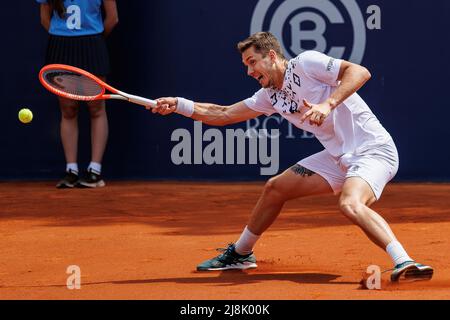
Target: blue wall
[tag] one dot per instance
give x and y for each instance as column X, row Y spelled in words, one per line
column 187, row 48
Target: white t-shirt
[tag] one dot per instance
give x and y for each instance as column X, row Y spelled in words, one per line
column 350, row 128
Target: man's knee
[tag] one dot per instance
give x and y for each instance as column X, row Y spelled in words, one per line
column 271, row 185
column 351, row 207
column 274, row 188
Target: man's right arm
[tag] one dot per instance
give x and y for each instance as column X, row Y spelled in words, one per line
column 208, row 113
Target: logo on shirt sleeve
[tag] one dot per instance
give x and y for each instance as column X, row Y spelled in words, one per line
column 330, row 64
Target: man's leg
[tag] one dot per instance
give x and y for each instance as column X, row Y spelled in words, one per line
column 354, row 202
column 293, row 183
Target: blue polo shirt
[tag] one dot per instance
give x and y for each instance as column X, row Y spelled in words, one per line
column 83, row 17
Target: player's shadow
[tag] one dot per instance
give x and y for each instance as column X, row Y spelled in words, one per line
column 228, row 278
column 232, row 278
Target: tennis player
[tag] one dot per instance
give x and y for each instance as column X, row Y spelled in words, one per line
column 316, row 93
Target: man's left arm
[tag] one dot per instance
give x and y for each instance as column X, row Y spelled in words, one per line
column 352, row 77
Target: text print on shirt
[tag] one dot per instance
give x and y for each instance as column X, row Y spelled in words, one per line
column 74, row 19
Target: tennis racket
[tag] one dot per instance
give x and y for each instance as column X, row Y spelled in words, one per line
column 78, row 84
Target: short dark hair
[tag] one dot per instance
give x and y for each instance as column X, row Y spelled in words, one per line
column 263, row 42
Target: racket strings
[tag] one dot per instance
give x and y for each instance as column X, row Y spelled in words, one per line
column 73, row 83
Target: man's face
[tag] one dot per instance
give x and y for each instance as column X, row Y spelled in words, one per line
column 259, row 68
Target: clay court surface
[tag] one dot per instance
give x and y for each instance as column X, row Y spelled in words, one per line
column 142, row 240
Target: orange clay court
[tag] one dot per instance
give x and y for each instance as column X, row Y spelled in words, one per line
column 143, row 240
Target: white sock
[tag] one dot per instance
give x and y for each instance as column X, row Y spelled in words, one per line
column 96, row 167
column 397, row 253
column 246, row 242
column 72, row 166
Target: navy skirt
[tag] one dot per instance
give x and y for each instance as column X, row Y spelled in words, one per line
column 86, row 52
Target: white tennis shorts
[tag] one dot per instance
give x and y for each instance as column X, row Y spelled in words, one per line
column 377, row 165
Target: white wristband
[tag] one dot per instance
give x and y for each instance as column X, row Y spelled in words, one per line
column 185, row 107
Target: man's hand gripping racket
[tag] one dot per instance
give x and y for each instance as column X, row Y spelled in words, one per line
column 77, row 84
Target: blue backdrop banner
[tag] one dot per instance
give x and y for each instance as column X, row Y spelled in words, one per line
column 188, row 48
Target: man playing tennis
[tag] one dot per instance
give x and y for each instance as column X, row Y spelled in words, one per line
column 316, row 93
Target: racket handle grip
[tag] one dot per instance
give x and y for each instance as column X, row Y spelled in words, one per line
column 141, row 101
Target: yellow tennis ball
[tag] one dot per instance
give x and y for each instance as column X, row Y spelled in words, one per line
column 25, row 115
